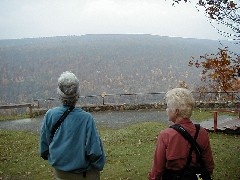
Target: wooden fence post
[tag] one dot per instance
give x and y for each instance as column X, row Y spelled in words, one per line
column 30, row 110
column 215, row 121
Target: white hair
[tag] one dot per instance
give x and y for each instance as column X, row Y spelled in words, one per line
column 68, row 88
column 181, row 99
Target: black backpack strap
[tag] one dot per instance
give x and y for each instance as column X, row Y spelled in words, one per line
column 192, row 141
column 59, row 122
column 188, row 137
column 191, row 149
column 194, row 146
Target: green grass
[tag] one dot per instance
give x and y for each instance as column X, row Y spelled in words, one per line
column 129, row 153
column 199, row 116
column 14, row 117
column 22, row 116
column 226, row 156
column 204, row 115
column 130, row 150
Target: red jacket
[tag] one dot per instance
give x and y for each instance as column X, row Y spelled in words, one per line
column 172, row 150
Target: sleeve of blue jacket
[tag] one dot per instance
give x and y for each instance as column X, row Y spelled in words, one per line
column 44, row 140
column 94, row 147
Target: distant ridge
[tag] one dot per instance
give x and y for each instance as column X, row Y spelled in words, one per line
column 112, row 63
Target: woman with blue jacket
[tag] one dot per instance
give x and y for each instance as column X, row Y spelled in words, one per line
column 75, row 149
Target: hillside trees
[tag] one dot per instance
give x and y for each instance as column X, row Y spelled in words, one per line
column 113, row 64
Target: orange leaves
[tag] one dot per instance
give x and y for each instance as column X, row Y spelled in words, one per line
column 221, row 68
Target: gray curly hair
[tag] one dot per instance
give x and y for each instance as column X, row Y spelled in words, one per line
column 68, row 88
column 181, row 99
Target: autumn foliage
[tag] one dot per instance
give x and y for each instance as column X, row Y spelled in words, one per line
column 222, row 69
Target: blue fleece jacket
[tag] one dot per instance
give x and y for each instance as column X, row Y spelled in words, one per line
column 76, row 145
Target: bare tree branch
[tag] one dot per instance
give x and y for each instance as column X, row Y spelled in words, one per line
column 221, row 13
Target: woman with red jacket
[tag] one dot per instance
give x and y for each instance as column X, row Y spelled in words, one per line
column 172, row 150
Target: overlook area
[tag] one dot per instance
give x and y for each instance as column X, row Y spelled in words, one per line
column 119, row 72
column 111, row 116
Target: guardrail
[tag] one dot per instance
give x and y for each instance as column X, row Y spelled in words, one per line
column 156, row 97
column 208, row 99
column 140, row 98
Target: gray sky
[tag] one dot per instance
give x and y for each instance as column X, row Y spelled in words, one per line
column 46, row 18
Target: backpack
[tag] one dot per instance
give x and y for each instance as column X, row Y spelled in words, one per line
column 189, row 172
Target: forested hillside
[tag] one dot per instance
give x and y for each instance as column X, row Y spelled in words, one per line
column 104, row 63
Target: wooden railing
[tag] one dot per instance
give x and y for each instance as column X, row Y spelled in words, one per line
column 215, row 115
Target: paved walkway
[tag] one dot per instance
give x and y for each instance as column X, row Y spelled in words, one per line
column 114, row 119
column 118, row 119
column 224, row 123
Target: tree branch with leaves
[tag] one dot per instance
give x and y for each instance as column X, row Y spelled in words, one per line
column 222, row 68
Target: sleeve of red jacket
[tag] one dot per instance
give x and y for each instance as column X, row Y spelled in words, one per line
column 159, row 162
column 207, row 155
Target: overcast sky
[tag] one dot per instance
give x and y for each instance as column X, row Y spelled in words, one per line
column 47, row 18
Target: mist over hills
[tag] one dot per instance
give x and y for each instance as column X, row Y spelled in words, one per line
column 104, row 63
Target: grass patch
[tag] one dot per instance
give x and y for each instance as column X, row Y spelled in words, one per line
column 35, row 113
column 20, row 157
column 199, row 115
column 203, row 115
column 14, row 117
column 129, row 153
column 226, row 156
column 130, row 150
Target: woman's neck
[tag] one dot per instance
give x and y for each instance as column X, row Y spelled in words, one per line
column 178, row 119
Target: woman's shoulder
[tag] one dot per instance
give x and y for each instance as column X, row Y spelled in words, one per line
column 168, row 132
column 203, row 131
column 54, row 109
column 83, row 112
